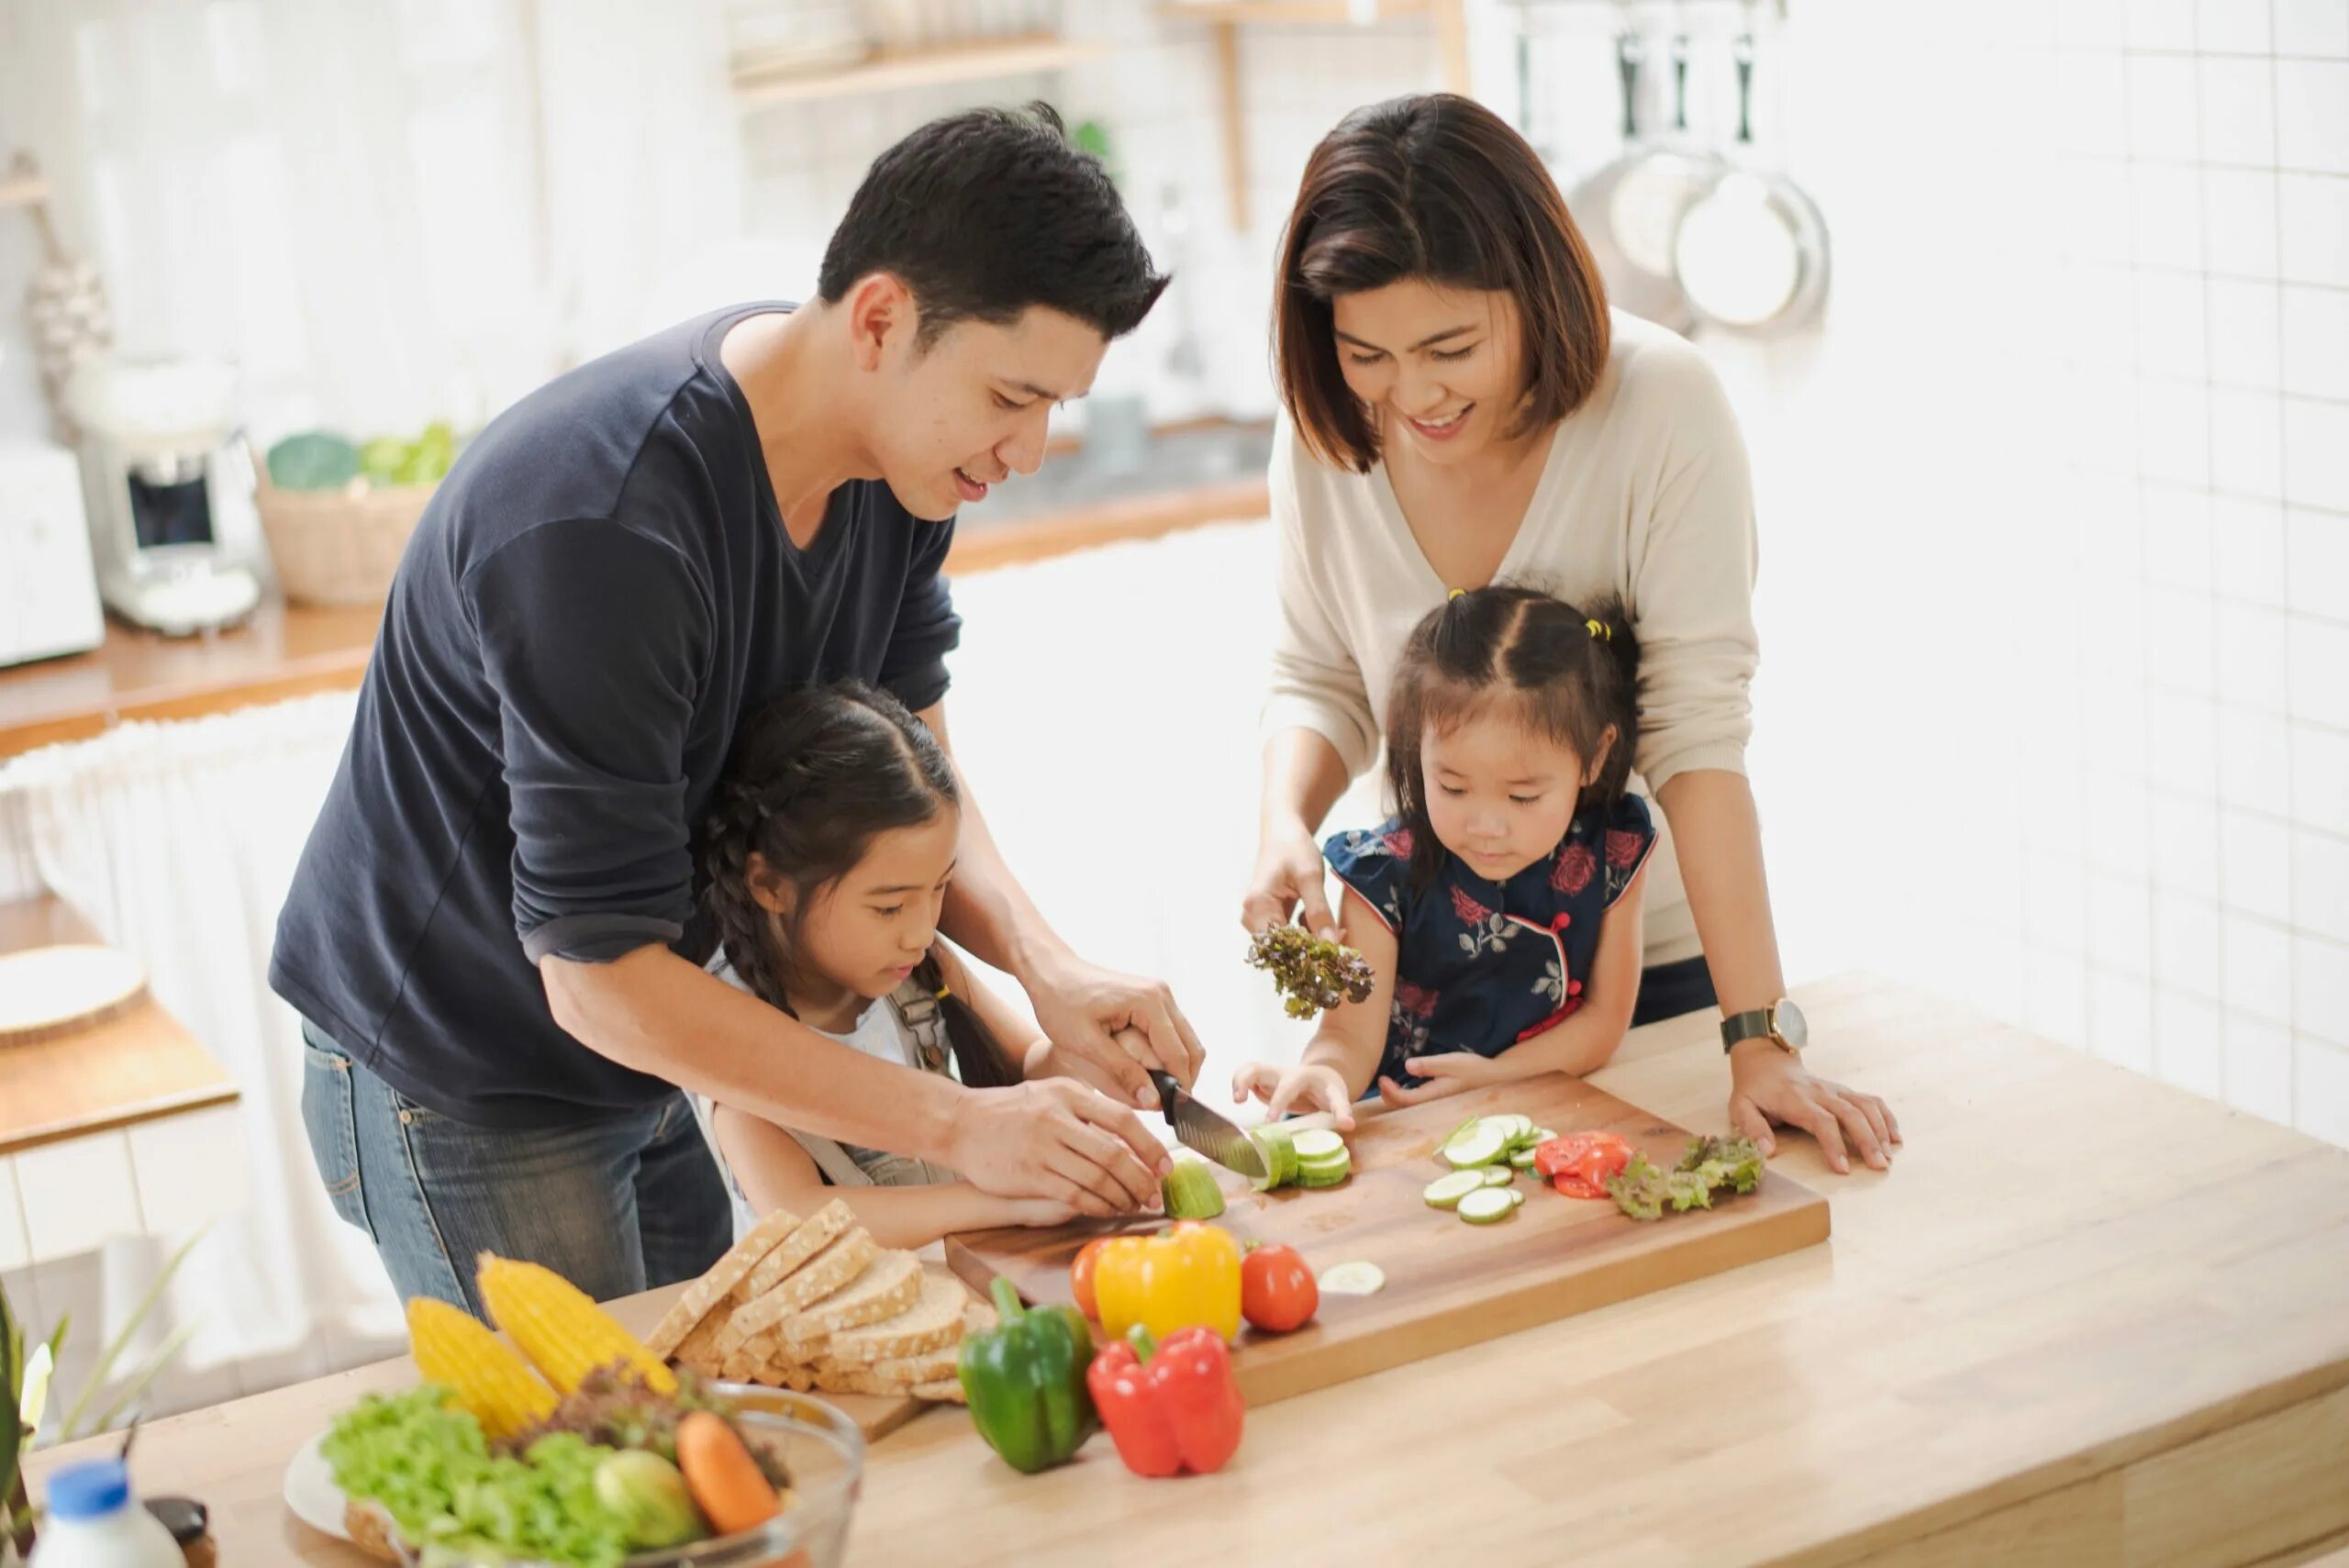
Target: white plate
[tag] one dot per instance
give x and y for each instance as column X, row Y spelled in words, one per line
column 311, row 1494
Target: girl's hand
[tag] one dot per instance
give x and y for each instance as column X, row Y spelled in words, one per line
column 1288, row 875
column 1038, row 1211
column 1293, row 1089
column 1450, row 1073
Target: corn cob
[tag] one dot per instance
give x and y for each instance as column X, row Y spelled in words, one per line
column 489, row 1379
column 565, row 1335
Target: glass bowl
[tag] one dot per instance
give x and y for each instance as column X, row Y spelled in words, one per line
column 820, row 1447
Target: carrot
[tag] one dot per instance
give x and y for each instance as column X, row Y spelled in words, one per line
column 726, row 1482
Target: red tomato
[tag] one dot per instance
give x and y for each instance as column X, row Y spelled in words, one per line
column 1080, row 1276
column 1575, row 1149
column 1277, row 1290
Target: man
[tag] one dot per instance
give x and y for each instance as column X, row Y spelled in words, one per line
column 491, row 936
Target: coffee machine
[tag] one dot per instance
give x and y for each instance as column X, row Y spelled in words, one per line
column 170, row 486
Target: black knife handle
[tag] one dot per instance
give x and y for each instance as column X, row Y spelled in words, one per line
column 1167, row 1087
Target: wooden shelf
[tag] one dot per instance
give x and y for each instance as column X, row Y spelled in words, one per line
column 139, row 1066
column 887, row 73
column 1226, row 17
column 23, row 191
column 1367, row 13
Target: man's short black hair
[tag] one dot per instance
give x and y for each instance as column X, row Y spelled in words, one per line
column 984, row 214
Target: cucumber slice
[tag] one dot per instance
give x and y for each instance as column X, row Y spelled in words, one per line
column 1317, row 1143
column 1515, row 1196
column 1323, row 1175
column 1278, row 1146
column 1512, row 1126
column 1190, row 1192
column 1480, row 1146
column 1352, row 1279
column 1523, row 1159
column 1487, row 1205
column 1542, row 1135
column 1445, row 1192
column 1498, row 1176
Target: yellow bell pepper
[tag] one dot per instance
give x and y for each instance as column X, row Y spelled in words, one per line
column 1185, row 1278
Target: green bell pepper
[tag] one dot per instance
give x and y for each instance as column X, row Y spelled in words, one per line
column 1025, row 1380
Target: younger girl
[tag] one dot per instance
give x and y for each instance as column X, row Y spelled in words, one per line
column 828, row 856
column 1499, row 907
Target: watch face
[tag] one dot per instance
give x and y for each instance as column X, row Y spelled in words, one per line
column 1792, row 1027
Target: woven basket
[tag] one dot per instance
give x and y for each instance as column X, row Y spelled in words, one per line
column 337, row 547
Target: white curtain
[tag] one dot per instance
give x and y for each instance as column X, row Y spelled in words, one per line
column 178, row 841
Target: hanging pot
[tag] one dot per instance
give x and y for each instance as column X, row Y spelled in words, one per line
column 1655, row 296
column 1751, row 252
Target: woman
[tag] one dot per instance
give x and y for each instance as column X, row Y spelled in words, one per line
column 1463, row 408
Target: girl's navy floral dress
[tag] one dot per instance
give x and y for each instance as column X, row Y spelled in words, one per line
column 1482, row 965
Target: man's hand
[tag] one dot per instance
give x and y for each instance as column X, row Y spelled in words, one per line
column 1121, row 1024
column 1059, row 1141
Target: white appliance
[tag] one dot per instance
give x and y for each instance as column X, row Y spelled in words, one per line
column 49, row 594
column 170, row 482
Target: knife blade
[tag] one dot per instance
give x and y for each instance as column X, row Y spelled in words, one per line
column 1201, row 1129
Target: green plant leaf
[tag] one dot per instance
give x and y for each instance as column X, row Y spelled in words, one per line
column 145, row 1375
column 112, row 1353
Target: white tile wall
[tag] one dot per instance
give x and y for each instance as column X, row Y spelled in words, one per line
column 2214, row 599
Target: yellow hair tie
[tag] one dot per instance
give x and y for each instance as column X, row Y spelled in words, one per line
column 944, row 992
column 1601, row 631
column 1456, row 592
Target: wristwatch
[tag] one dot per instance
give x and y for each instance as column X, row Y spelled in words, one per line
column 1781, row 1021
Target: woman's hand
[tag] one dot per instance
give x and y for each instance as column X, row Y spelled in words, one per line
column 1038, row 1211
column 1288, row 876
column 1770, row 1087
column 1447, row 1073
column 1301, row 1087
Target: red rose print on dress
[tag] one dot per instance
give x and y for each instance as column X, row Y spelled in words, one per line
column 1399, row 842
column 1471, row 913
column 1412, row 999
column 1623, row 848
column 1575, row 869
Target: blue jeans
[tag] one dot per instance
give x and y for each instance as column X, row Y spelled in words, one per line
column 616, row 1206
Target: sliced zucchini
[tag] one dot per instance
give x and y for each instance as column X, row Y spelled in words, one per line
column 1317, row 1143
column 1278, row 1146
column 1512, row 1126
column 1523, row 1159
column 1324, row 1175
column 1514, row 1195
column 1445, row 1192
column 1498, row 1176
column 1478, row 1147
column 1488, row 1205
column 1190, row 1193
column 1352, row 1279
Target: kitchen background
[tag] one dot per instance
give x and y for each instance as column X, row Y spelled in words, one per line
column 2054, row 718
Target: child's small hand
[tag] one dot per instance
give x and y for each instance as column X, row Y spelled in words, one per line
column 1448, row 1072
column 1038, row 1211
column 1300, row 1088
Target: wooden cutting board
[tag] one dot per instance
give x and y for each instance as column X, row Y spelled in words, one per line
column 1448, row 1283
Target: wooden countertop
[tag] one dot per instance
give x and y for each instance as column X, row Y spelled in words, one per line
column 2087, row 1319
column 137, row 1067
column 293, row 650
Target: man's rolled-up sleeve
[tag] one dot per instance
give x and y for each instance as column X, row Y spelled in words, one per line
column 592, row 638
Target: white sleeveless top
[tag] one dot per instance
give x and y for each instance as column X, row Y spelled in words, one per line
column 904, row 1029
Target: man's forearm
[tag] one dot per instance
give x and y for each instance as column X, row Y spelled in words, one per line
column 1718, row 835
column 658, row 1014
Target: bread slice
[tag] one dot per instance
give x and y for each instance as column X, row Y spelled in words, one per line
column 933, row 1321
column 891, row 1285
column 699, row 1350
column 817, row 1231
column 946, row 1390
column 901, row 1370
column 942, row 1388
column 829, row 1270
column 703, row 1297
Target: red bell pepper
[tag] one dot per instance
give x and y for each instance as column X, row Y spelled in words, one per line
column 1171, row 1406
